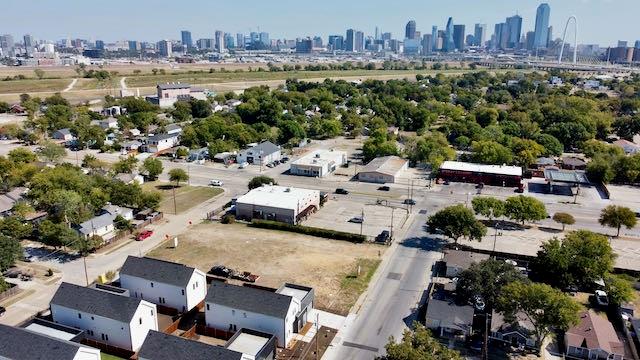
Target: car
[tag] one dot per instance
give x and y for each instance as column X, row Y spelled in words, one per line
column 269, row 165
column 216, row 183
column 2, row 310
column 602, row 298
column 276, row 162
column 638, row 214
column 478, row 303
column 243, row 165
column 383, row 237
column 357, row 220
column 284, row 159
column 143, row 235
column 409, row 202
column 342, row 191
column 221, row 271
column 384, row 188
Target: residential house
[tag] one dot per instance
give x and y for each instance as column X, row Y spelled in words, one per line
column 448, row 319
column 128, row 178
column 114, row 111
column 130, row 146
column 164, row 283
column 263, row 153
column 593, row 338
column 629, row 148
column 306, row 296
column 458, row 260
column 231, row 307
column 63, row 135
column 160, row 346
column 17, row 109
column 517, row 333
column 384, row 169
column 173, row 129
column 107, row 317
column 9, row 200
column 161, row 142
column 573, row 163
column 18, row 344
column 103, row 224
column 105, row 124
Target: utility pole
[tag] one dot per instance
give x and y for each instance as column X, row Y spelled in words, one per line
column 175, row 206
column 317, row 336
column 86, row 275
column 485, row 346
column 391, row 232
column 361, row 222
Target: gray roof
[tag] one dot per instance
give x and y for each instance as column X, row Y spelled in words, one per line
column 172, row 127
column 160, row 271
column 167, row 86
column 463, row 259
column 96, row 222
column 266, row 147
column 161, row 137
column 97, row 302
column 249, row 299
column 450, row 315
column 25, row 344
column 65, row 131
column 160, row 346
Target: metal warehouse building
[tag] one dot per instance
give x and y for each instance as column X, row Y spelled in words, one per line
column 278, row 203
column 318, row 163
column 384, row 169
column 499, row 175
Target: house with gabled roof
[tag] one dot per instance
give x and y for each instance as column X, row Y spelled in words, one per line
column 164, row 283
column 18, row 344
column 160, row 346
column 232, row 307
column 593, row 338
column 107, row 317
column 519, row 332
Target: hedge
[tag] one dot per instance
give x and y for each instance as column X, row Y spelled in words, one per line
column 308, row 230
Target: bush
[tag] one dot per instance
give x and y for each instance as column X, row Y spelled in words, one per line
column 228, row 219
column 308, row 230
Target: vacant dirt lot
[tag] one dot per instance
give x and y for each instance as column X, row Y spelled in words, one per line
column 330, row 266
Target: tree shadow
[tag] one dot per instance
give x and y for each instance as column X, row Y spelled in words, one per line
column 167, row 187
column 549, row 230
column 418, row 313
column 45, row 254
column 426, row 243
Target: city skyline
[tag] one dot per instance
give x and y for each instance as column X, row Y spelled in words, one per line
column 44, row 21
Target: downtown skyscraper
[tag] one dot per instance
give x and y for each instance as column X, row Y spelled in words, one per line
column 186, row 38
column 448, row 44
column 410, row 30
column 541, row 32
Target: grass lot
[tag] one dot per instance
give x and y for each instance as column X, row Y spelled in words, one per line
column 104, row 356
column 329, row 266
column 186, row 196
column 21, row 86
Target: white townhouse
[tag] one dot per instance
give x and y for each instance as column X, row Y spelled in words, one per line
column 231, row 307
column 105, row 316
column 18, row 344
column 164, row 283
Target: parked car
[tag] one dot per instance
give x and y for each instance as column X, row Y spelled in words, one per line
column 270, row 165
column 602, row 298
column 243, row 165
column 384, row 188
column 478, row 303
column 342, row 191
column 221, row 271
column 383, row 237
column 143, row 235
column 409, row 202
column 216, row 183
column 284, row 159
column 357, row 220
column 2, row 310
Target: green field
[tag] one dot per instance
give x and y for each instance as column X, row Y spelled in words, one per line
column 33, row 85
column 186, row 196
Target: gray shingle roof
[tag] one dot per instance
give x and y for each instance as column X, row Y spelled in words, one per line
column 25, row 344
column 161, row 137
column 450, row 315
column 249, row 299
column 160, row 346
column 160, row 271
column 96, row 223
column 266, row 147
column 97, row 302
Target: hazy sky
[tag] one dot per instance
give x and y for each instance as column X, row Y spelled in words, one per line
column 600, row 21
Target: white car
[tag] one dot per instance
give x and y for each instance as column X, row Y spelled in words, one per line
column 243, row 165
column 601, row 298
column 216, row 183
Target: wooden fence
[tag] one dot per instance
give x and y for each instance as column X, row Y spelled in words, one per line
column 202, row 329
column 12, row 290
column 171, row 328
column 189, row 333
column 109, row 349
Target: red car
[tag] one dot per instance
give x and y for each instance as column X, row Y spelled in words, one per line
column 143, row 235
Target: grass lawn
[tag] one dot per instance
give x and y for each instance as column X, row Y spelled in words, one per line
column 33, row 85
column 353, row 285
column 104, row 356
column 186, row 196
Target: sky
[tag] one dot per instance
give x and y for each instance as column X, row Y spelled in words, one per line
column 600, row 22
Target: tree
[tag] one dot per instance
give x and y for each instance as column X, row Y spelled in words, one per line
column 15, row 227
column 10, row 251
column 200, row 109
column 258, row 181
column 619, row 288
column 178, row 175
column 615, row 216
column 546, row 307
column 21, row 156
column 51, row 152
column 564, row 219
column 486, row 279
column 600, row 169
column 418, row 345
column 455, row 222
column 525, row 208
column 152, row 167
column 488, row 207
column 125, row 165
column 91, row 162
column 491, row 152
column 122, row 224
column 39, row 73
column 57, row 234
column 580, row 259
column 182, row 152
column 526, row 151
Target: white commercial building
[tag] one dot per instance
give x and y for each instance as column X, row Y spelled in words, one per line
column 232, row 307
column 260, row 154
column 167, row 94
column 278, row 203
column 107, row 317
column 164, row 283
column 382, row 170
column 318, row 163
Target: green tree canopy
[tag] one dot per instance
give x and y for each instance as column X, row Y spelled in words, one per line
column 10, row 251
column 178, row 175
column 616, row 216
column 455, row 222
column 488, row 206
column 51, row 152
column 564, row 219
column 152, row 167
column 418, row 345
column 258, row 181
column 491, row 152
column 525, row 208
column 486, row 278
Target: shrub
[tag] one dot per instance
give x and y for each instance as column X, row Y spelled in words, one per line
column 228, row 219
column 308, row 230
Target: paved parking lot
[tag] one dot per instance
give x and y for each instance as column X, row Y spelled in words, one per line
column 335, row 214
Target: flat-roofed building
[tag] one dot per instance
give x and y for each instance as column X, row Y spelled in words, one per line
column 499, row 175
column 384, row 169
column 318, row 163
column 279, row 203
column 254, row 345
